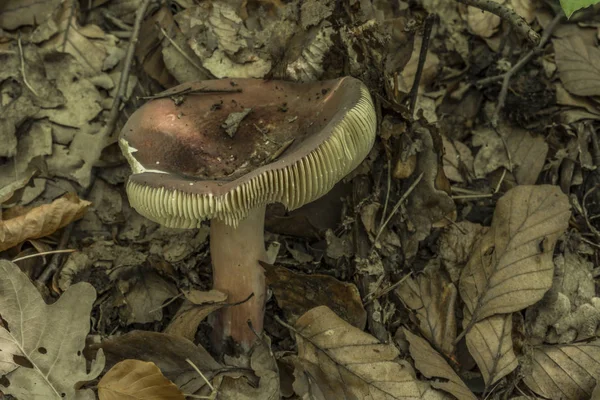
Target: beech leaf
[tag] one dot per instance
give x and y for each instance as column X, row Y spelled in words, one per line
column 490, row 343
column 511, row 266
column 567, row 372
column 44, row 342
column 433, row 299
column 431, row 364
column 41, row 221
column 579, row 65
column 347, row 363
column 135, row 379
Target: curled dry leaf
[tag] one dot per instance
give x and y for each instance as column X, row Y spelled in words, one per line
column 431, row 364
column 135, row 379
column 490, row 343
column 298, row 293
column 168, row 352
column 198, row 305
column 145, row 296
column 433, row 298
column 42, row 344
column 344, row 362
column 511, row 267
column 578, row 65
column 41, row 221
column 568, row 372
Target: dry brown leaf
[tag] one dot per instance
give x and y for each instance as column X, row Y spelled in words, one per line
column 42, row 344
column 527, row 153
column 347, row 363
column 264, row 365
column 568, row 372
column 80, row 42
column 456, row 244
column 433, row 298
column 144, row 297
column 490, row 343
column 511, row 267
column 458, row 160
column 298, row 293
column 483, row 23
column 16, row 13
column 578, row 65
column 168, row 352
column 198, row 305
column 431, row 364
column 42, row 221
column 135, row 379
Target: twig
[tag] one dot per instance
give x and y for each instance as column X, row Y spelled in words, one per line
column 507, row 14
column 188, row 90
column 213, row 392
column 22, row 56
column 52, row 266
column 387, row 193
column 517, row 67
column 373, row 296
column 397, row 206
column 108, row 129
column 184, row 54
column 414, row 91
column 45, row 253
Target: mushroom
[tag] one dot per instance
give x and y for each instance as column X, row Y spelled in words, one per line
column 295, row 143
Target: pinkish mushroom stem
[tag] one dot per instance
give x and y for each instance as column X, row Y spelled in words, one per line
column 235, row 253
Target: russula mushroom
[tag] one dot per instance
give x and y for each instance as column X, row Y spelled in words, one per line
column 295, row 143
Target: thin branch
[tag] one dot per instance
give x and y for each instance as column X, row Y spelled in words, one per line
column 107, row 131
column 507, row 14
column 414, row 91
column 22, row 56
column 184, row 54
column 44, row 253
column 69, row 22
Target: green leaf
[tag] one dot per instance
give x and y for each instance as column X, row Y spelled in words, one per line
column 570, row 6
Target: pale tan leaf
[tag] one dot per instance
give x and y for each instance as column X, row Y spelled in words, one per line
column 168, row 352
column 567, row 372
column 433, row 298
column 198, row 305
column 16, row 13
column 50, row 338
column 490, row 343
column 511, row 267
column 349, row 363
column 135, row 379
column 483, row 23
column 578, row 65
column 42, row 221
column 431, row 364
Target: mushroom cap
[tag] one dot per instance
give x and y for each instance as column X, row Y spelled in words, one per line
column 233, row 145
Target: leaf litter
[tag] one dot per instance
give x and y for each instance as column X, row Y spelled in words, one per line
column 458, row 261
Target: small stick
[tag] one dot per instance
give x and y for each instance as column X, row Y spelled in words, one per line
column 213, row 392
column 397, row 206
column 108, row 129
column 69, row 22
column 414, row 91
column 22, row 56
column 45, row 253
column 187, row 91
column 507, row 14
column 373, row 296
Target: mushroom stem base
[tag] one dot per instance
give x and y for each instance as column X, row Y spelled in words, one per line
column 235, row 252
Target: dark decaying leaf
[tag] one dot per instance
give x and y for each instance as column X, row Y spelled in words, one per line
column 568, row 372
column 297, row 293
column 511, row 267
column 431, row 364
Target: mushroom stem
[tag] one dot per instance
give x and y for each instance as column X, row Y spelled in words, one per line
column 235, row 253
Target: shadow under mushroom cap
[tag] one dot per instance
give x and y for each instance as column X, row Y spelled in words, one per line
column 291, row 143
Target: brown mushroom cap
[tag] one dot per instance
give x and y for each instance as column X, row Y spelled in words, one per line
column 295, row 143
